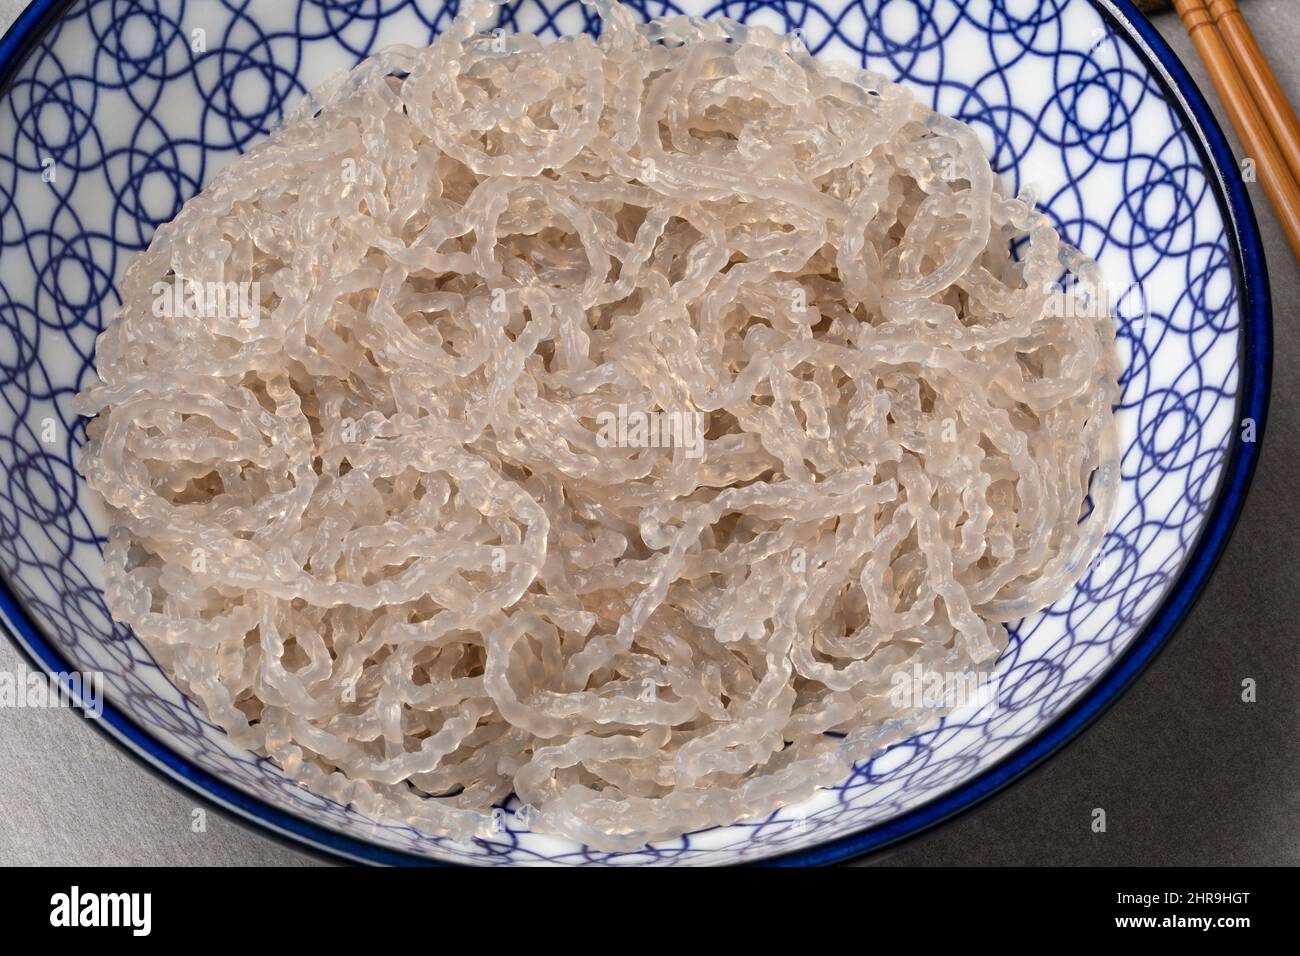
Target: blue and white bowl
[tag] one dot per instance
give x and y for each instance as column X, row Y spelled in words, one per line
column 115, row 112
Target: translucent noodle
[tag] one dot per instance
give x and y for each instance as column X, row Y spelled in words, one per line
column 377, row 522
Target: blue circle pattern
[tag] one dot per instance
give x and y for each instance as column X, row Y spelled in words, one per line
column 131, row 111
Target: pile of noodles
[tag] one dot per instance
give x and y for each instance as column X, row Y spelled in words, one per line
column 379, row 529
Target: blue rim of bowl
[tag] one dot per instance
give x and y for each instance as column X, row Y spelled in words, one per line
column 1255, row 371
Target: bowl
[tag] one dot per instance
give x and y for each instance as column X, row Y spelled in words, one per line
column 114, row 114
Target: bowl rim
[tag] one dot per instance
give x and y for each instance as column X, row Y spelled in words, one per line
column 1255, row 372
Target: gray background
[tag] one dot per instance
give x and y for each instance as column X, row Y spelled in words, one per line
column 1186, row 772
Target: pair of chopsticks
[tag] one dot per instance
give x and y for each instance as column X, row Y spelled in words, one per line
column 1264, row 120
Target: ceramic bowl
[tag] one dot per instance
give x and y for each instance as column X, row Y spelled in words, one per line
column 114, row 113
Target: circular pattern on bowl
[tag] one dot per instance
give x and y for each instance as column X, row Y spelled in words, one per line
column 123, row 110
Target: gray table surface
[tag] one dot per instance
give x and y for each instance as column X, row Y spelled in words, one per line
column 1186, row 772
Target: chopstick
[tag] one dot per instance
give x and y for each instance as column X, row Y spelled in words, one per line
column 1267, row 93
column 1270, row 163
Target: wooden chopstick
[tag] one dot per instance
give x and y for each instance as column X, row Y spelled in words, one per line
column 1268, row 95
column 1270, row 164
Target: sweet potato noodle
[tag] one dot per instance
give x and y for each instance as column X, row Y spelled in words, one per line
column 381, row 529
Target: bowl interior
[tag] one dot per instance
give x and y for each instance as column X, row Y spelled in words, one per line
column 116, row 118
